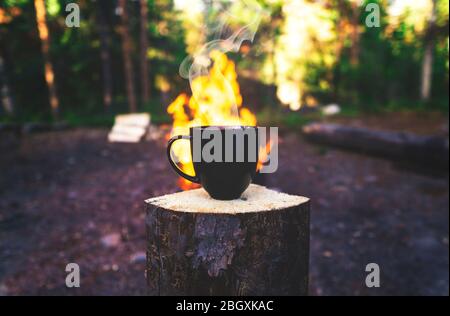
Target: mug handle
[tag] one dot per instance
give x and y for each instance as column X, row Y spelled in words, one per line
column 194, row 179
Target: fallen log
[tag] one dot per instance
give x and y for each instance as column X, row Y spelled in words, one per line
column 428, row 150
column 36, row 127
column 255, row 245
column 10, row 127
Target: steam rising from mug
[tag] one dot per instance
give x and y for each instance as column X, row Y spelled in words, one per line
column 198, row 64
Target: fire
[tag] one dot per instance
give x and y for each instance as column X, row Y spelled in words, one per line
column 263, row 153
column 217, row 101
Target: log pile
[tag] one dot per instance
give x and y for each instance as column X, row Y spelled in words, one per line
column 129, row 128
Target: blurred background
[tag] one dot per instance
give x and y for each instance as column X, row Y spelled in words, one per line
column 69, row 195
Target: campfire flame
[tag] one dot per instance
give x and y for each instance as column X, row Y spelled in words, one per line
column 216, row 99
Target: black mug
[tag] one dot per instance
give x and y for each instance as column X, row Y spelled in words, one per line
column 225, row 158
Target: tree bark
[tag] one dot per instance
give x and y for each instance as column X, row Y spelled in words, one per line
column 105, row 56
column 145, row 92
column 126, row 51
column 256, row 245
column 427, row 63
column 45, row 47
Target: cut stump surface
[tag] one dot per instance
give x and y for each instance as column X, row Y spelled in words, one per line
column 255, row 245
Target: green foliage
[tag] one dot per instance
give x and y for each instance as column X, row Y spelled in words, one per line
column 386, row 77
column 75, row 55
column 388, row 74
column 284, row 117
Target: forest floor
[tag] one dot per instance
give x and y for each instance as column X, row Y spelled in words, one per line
column 71, row 196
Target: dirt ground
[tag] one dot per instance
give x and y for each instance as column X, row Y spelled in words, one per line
column 70, row 196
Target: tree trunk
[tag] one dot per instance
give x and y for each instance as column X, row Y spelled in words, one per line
column 355, row 38
column 126, row 51
column 45, row 46
column 427, row 63
column 105, row 43
column 6, row 99
column 427, row 69
column 255, row 245
column 145, row 93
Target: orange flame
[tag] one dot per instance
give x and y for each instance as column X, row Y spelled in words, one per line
column 217, row 96
column 263, row 153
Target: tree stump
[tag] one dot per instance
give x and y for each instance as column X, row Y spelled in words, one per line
column 255, row 245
